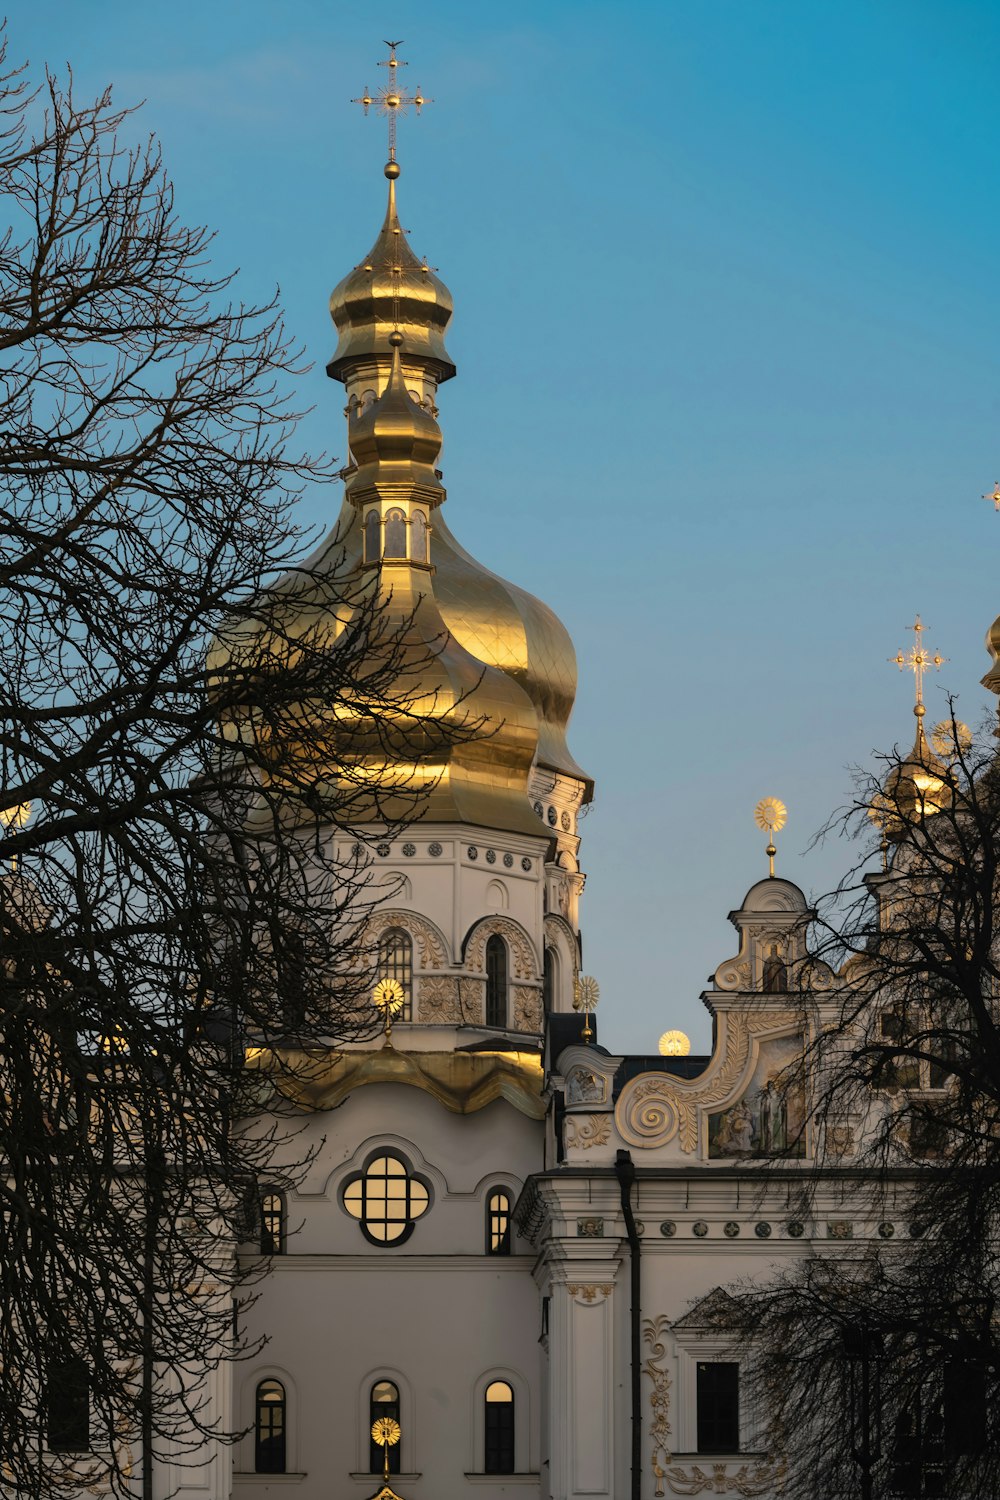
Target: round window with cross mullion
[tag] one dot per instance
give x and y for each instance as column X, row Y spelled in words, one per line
column 386, row 1198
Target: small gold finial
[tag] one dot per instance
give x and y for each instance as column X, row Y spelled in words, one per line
column 771, row 815
column 919, row 660
column 386, row 1430
column 994, row 495
column 14, row 818
column 586, row 993
column 388, row 997
column 391, row 101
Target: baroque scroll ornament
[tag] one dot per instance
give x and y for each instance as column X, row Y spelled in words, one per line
column 654, row 1107
column 584, row 1131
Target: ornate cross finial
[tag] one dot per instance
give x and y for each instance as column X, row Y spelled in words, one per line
column 994, row 495
column 919, row 659
column 586, row 993
column 390, row 99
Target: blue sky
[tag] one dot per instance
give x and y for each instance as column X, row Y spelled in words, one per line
column 728, row 391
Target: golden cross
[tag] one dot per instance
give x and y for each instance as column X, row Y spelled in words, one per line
column 390, row 99
column 918, row 660
column 994, row 495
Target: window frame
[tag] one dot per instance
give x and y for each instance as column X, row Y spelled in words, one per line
column 497, row 983
column 375, row 1456
column 261, row 1405
column 505, row 1245
column 387, row 1153
column 720, row 1450
column 265, row 1235
column 397, row 966
column 699, row 1345
column 64, row 1372
column 508, row 1438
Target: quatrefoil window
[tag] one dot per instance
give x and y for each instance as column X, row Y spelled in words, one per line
column 386, row 1198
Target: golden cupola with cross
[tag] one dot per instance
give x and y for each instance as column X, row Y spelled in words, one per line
column 493, row 642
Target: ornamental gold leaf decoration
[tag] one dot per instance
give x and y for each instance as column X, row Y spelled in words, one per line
column 584, row 1131
column 659, row 1398
column 748, row 1479
column 590, row 1293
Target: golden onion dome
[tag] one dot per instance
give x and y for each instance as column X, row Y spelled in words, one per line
column 391, row 288
column 920, row 784
column 506, row 627
column 395, row 441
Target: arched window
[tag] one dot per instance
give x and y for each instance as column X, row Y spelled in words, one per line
column 550, row 969
column 499, row 1455
column 373, row 536
column 384, row 1402
column 67, row 1400
column 395, row 533
column 270, row 1428
column 272, row 1222
column 418, row 537
column 498, row 1222
column 496, row 981
column 395, row 961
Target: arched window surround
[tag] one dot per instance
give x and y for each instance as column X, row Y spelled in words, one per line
column 525, row 1437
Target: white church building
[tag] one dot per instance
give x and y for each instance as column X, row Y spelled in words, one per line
column 503, row 1254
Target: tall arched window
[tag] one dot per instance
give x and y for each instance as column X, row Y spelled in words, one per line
column 498, row 1222
column 395, row 961
column 395, row 533
column 384, row 1402
column 499, row 1455
column 418, row 537
column 550, row 969
column 496, row 981
column 270, row 1426
column 373, row 536
column 272, row 1222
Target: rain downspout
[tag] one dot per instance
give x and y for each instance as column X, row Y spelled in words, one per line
column 625, row 1172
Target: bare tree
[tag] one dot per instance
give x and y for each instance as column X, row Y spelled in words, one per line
column 876, row 1370
column 198, row 725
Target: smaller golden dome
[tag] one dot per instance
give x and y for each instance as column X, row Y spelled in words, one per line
column 992, row 678
column 391, row 289
column 917, row 785
column 395, row 442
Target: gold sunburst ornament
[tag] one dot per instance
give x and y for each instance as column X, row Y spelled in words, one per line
column 586, row 993
column 674, row 1044
column 388, row 997
column 951, row 738
column 770, row 815
column 387, row 1432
